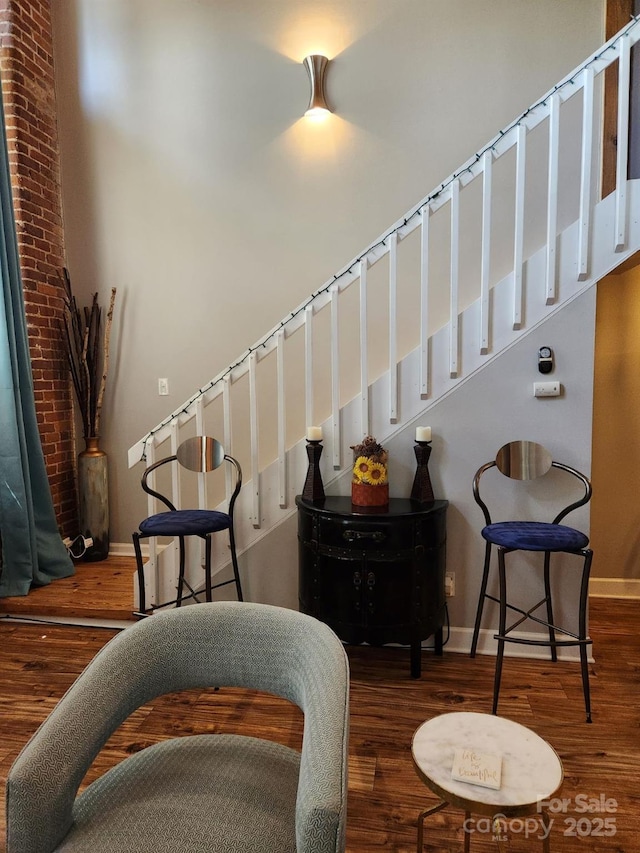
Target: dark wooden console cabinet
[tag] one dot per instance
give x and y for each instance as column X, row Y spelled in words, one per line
column 375, row 575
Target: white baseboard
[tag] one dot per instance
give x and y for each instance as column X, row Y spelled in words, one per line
column 614, row 588
column 125, row 549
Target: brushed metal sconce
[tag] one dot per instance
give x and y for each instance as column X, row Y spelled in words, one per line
column 316, row 66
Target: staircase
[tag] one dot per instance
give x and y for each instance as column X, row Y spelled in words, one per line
column 508, row 240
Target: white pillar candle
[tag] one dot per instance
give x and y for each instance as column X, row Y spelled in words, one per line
column 314, row 433
column 423, row 433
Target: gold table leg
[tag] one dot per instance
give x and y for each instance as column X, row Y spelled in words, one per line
column 546, row 843
column 467, row 833
column 500, row 828
column 421, row 818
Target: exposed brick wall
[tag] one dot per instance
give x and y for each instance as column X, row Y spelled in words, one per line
column 26, row 67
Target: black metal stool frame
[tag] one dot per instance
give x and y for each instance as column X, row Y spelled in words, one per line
column 203, row 465
column 580, row 639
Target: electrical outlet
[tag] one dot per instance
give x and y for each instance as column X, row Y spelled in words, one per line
column 450, row 584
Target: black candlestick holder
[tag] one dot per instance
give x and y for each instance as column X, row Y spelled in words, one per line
column 422, row 490
column 313, row 489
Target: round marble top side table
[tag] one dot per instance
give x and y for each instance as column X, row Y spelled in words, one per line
column 531, row 769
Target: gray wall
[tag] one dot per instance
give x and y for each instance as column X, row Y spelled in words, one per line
column 493, row 407
column 192, row 183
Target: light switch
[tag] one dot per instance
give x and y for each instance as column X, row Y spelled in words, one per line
column 546, row 389
column 163, row 387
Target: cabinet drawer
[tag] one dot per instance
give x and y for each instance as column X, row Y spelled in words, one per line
column 356, row 535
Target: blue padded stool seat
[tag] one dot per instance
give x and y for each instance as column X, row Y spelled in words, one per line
column 185, row 522
column 535, row 536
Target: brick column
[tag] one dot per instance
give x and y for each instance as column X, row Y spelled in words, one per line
column 26, row 67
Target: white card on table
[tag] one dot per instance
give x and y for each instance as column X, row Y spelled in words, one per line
column 477, row 768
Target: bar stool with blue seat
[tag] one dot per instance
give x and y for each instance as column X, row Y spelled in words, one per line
column 201, row 454
column 527, row 460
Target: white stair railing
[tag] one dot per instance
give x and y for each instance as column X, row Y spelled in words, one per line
column 498, row 185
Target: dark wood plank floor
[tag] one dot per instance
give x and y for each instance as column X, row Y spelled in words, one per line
column 39, row 662
column 102, row 590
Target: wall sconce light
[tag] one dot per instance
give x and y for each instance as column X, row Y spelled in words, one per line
column 316, row 66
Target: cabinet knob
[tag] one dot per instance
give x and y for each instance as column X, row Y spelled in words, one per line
column 357, row 579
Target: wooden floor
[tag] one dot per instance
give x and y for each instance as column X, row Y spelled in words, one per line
column 601, row 761
column 102, row 590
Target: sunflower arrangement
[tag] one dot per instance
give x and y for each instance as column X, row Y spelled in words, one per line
column 369, row 469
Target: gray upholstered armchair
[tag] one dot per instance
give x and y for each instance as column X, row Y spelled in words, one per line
column 216, row 793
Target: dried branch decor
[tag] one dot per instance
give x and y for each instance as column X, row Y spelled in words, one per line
column 88, row 354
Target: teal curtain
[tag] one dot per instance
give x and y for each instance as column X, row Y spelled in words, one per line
column 33, row 553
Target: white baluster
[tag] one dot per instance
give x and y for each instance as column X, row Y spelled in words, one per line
column 203, row 500
column 308, row 364
column 202, row 477
column 364, row 365
column 227, row 433
column 584, row 219
column 253, row 421
column 152, row 571
column 485, row 263
column 552, row 199
column 454, row 332
column 176, row 498
column 335, row 374
column 624, row 65
column 176, row 476
column 424, row 302
column 393, row 328
column 518, row 243
column 282, row 420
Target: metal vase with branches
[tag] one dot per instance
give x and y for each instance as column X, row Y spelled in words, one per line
column 88, row 356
